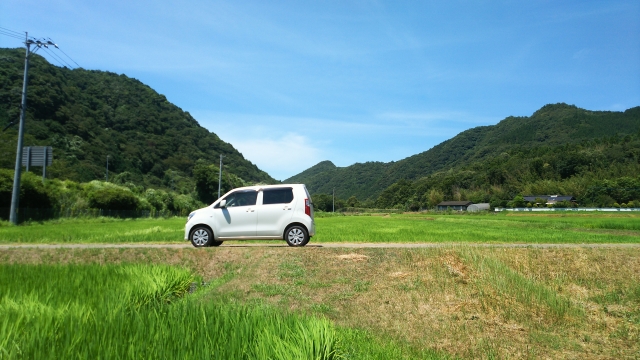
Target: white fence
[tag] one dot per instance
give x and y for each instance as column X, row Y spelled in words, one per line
column 568, row 209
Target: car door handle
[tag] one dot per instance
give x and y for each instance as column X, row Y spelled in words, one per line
column 252, row 210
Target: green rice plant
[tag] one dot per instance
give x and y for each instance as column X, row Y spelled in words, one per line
column 314, row 339
column 615, row 224
column 134, row 311
column 96, row 230
column 155, row 284
column 476, row 229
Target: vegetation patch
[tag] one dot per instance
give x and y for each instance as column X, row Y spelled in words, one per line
column 138, row 311
column 413, row 303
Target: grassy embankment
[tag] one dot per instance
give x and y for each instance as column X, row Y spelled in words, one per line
column 485, row 228
column 456, row 300
column 143, row 311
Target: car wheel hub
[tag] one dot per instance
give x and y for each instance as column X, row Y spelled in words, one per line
column 200, row 237
column 296, row 236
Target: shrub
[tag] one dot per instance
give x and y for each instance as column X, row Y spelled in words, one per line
column 563, row 204
column 518, row 201
column 33, row 193
column 159, row 199
column 113, row 198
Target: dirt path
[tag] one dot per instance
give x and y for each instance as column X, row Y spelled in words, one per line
column 325, row 245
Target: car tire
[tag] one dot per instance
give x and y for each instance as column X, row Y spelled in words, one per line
column 296, row 235
column 215, row 243
column 201, row 236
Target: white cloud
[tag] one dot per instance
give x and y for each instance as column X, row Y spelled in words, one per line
column 280, row 157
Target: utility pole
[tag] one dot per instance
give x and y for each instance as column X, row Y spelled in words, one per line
column 333, row 198
column 107, row 176
column 220, row 176
column 15, row 195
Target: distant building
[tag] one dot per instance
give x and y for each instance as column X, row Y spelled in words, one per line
column 479, row 207
column 454, row 205
column 550, row 199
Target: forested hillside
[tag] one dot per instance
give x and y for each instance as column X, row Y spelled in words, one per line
column 601, row 172
column 86, row 115
column 558, row 136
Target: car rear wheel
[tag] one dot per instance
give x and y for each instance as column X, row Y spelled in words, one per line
column 296, row 236
column 201, row 236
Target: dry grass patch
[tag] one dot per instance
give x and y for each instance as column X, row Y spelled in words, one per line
column 353, row 257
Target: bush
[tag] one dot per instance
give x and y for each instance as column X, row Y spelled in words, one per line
column 518, row 201
column 159, row 199
column 33, row 193
column 113, row 198
column 564, row 204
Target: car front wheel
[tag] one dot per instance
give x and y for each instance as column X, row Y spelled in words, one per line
column 296, row 236
column 202, row 236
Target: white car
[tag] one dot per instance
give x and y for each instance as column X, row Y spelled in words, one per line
column 254, row 212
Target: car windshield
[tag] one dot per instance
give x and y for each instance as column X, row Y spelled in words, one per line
column 241, row 198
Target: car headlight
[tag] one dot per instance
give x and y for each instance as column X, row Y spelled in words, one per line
column 190, row 216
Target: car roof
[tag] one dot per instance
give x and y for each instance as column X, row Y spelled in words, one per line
column 260, row 187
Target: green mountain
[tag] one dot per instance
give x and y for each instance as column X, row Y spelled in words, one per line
column 86, row 115
column 551, row 127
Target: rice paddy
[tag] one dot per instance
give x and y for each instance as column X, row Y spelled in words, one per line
column 398, row 228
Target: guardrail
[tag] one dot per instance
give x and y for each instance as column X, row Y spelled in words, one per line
column 568, row 209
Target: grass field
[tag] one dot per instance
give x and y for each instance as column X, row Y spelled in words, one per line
column 143, row 311
column 456, row 301
column 486, row 228
column 453, row 301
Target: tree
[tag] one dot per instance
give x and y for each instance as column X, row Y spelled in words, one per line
column 206, row 179
column 434, row 198
column 322, row 202
column 518, row 201
column 353, row 201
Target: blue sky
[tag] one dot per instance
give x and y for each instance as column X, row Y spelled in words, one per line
column 290, row 84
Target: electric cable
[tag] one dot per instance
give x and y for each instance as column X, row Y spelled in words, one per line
column 78, row 65
column 58, row 58
column 10, row 35
column 9, row 30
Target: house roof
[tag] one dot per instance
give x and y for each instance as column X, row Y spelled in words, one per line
column 549, row 197
column 455, row 203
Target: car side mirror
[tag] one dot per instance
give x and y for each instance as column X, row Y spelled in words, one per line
column 223, row 203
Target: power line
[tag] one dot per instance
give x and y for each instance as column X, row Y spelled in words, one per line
column 39, row 42
column 2, row 32
column 11, row 31
column 58, row 58
column 65, row 54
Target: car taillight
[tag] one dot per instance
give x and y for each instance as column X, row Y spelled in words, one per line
column 307, row 207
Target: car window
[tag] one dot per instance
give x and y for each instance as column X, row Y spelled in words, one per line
column 241, row 198
column 277, row 196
